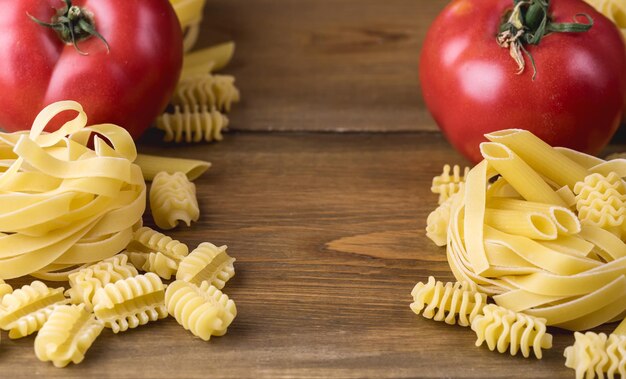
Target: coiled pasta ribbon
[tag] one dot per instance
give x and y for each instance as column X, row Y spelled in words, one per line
column 63, row 203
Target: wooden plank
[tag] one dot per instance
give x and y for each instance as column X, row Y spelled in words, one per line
column 325, row 65
column 328, row 232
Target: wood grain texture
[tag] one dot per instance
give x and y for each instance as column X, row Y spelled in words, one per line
column 325, row 65
column 328, row 234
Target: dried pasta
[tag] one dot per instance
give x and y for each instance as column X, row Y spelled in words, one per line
column 157, row 263
column 192, row 124
column 67, row 335
column 206, row 90
column 207, row 263
column 203, row 310
column 448, row 301
column 594, row 354
column 173, row 199
column 25, row 310
column 152, row 165
column 5, row 289
column 447, row 185
column 504, row 329
column 601, row 201
column 155, row 252
column 188, row 11
column 130, row 302
column 437, row 223
column 85, row 283
column 63, row 203
column 206, row 60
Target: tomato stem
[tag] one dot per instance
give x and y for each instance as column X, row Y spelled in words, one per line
column 73, row 24
column 527, row 24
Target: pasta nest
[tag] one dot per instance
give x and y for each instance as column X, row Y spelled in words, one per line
column 25, row 310
column 87, row 281
column 594, row 354
column 207, row 263
column 601, row 200
column 173, row 199
column 63, row 203
column 504, row 329
column 209, row 90
column 130, row 302
column 448, row 184
column 447, row 301
column 67, row 335
column 192, row 124
column 203, row 310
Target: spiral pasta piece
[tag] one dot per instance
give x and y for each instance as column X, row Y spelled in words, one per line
column 192, row 124
column 25, row 310
column 157, row 263
column 504, row 329
column 67, row 335
column 448, row 183
column 601, row 200
column 203, row 310
column 209, row 90
column 63, row 203
column 153, row 251
column 448, row 301
column 85, row 283
column 438, row 221
column 173, row 199
column 131, row 302
column 207, row 263
column 4, row 290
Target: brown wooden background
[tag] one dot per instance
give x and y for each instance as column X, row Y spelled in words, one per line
column 327, row 227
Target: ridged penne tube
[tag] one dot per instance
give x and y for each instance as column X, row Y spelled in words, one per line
column 85, row 283
column 204, row 61
column 192, row 124
column 173, row 199
column 504, row 330
column 152, row 165
column 26, row 309
column 565, row 220
column 67, row 335
column 540, row 156
column 519, row 174
column 448, row 183
column 529, row 224
column 208, row 90
column 207, row 263
column 204, row 310
column 448, row 301
column 130, row 302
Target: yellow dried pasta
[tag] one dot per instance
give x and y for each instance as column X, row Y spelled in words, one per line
column 204, row 310
column 173, row 199
column 207, row 263
column 67, row 335
column 504, row 330
column 131, row 302
column 85, row 283
column 204, row 61
column 192, row 124
column 437, row 223
column 4, row 290
column 157, row 263
column 63, row 203
column 448, row 301
column 448, row 184
column 601, row 200
column 25, row 310
column 212, row 91
column 155, row 252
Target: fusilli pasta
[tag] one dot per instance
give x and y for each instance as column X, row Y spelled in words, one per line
column 173, row 199
column 504, row 329
column 438, row 221
column 204, row 310
column 213, row 91
column 447, row 301
column 601, row 200
column 4, row 290
column 157, row 263
column 207, row 263
column 130, row 302
column 447, row 185
column 192, row 124
column 25, row 310
column 67, row 335
column 155, row 252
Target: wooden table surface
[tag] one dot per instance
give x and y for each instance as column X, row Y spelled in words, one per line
column 327, row 227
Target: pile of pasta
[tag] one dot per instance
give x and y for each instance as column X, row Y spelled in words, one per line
column 202, row 98
column 71, row 207
column 538, row 230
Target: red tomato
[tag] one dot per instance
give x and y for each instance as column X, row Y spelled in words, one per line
column 128, row 85
column 471, row 88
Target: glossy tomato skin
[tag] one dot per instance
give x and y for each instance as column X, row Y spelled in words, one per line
column 471, row 88
column 128, row 86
